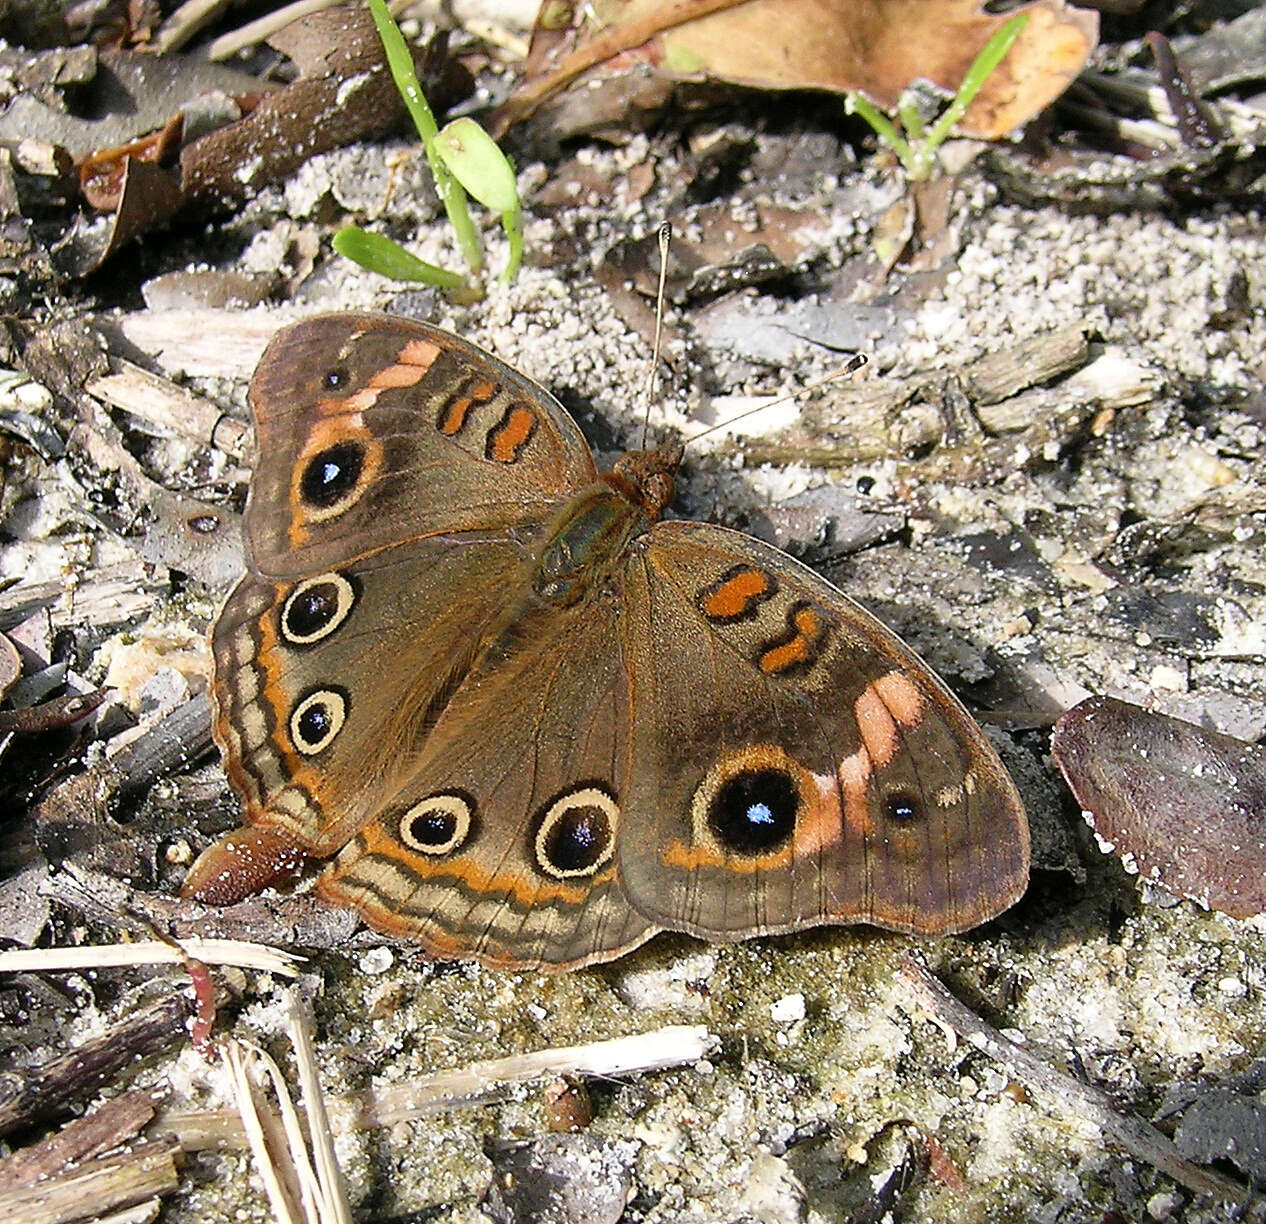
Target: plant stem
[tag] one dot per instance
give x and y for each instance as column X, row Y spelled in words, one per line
column 883, row 127
column 450, row 191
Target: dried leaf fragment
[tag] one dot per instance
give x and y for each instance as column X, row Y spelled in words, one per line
column 879, row 47
column 1182, row 806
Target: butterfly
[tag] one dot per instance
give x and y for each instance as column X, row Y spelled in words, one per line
column 533, row 722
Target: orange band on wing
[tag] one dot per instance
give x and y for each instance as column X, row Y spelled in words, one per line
column 511, row 434
column 691, row 858
column 737, row 594
column 522, row 890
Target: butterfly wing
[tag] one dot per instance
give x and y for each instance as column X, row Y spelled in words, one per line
column 324, row 687
column 791, row 762
column 501, row 845
column 403, row 478
column 373, row 430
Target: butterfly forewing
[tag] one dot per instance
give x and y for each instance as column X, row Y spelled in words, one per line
column 372, row 431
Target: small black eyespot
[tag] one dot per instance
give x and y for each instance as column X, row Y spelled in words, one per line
column 314, row 723
column 332, row 474
column 432, row 828
column 865, row 485
column 754, row 812
column 336, row 378
column 578, row 839
column 311, row 610
column 902, row 808
column 439, row 824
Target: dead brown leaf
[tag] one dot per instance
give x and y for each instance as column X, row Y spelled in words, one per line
column 876, row 46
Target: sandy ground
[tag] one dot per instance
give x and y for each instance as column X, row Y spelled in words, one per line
column 819, row 1047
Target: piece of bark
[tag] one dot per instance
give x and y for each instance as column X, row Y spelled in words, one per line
column 116, row 1122
column 345, row 94
column 1031, row 362
column 180, row 738
column 95, row 1187
column 39, row 1094
column 109, row 597
column 296, row 921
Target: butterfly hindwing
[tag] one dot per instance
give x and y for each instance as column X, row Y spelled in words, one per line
column 501, row 845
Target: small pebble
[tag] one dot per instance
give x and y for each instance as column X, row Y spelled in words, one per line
column 787, row 1010
column 377, row 960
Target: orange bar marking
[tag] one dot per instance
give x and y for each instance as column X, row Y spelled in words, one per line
column 734, row 596
column 511, row 434
column 799, row 648
column 453, row 418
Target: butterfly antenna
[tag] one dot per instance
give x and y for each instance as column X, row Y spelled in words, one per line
column 853, row 364
column 664, row 237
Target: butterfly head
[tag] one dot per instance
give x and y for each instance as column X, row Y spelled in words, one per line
column 648, row 477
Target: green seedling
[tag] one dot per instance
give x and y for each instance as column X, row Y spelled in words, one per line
column 916, row 150
column 464, row 161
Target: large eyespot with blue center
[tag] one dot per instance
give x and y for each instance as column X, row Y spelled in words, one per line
column 749, row 802
column 438, row 824
column 315, row 608
column 576, row 835
column 316, row 721
column 332, row 476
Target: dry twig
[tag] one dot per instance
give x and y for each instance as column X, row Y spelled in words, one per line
column 672, row 1046
column 1081, row 1100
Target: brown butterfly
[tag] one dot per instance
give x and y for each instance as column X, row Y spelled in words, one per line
column 534, row 722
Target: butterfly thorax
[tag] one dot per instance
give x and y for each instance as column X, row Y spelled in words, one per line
column 590, row 535
column 647, row 478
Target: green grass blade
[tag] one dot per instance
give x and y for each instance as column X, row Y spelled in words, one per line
column 380, row 254
column 400, row 63
column 991, row 55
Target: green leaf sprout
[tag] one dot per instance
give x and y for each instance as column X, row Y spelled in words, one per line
column 464, row 161
column 916, row 150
